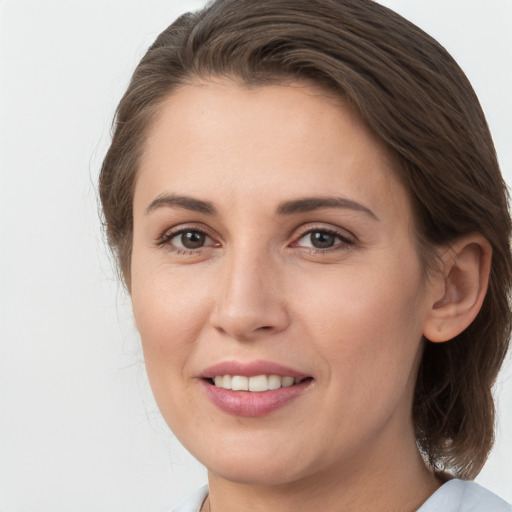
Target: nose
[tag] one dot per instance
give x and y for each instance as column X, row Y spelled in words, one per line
column 250, row 299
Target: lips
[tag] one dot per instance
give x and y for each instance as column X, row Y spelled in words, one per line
column 252, row 389
column 251, row 369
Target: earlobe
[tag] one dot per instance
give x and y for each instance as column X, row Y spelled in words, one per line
column 460, row 288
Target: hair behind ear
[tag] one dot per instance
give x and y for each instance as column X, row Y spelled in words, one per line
column 454, row 408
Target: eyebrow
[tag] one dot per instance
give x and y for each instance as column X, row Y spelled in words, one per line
column 309, row 204
column 186, row 202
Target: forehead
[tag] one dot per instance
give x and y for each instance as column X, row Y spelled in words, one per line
column 270, row 141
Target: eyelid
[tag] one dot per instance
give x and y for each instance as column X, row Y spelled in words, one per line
column 345, row 240
column 346, row 237
column 168, row 234
column 311, row 227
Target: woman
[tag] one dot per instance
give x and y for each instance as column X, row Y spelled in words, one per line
column 306, row 207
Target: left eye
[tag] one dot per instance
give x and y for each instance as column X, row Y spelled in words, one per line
column 319, row 239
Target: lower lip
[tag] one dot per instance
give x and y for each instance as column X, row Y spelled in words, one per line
column 253, row 404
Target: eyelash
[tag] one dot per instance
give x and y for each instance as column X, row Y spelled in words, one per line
column 344, row 240
column 165, row 241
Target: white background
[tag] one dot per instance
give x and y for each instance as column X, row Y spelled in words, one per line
column 79, row 430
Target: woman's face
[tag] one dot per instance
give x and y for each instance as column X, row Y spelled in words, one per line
column 273, row 241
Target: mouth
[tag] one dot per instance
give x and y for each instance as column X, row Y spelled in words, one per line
column 253, row 389
column 256, row 383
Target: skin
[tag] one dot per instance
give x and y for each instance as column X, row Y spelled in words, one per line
column 350, row 316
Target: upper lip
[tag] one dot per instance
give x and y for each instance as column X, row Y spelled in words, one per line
column 250, row 369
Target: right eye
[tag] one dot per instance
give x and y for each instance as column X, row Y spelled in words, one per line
column 187, row 240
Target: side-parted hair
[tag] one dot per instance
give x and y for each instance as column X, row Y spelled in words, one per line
column 417, row 100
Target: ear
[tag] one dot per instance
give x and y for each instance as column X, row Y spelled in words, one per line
column 459, row 287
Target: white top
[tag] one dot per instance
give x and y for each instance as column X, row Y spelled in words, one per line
column 454, row 496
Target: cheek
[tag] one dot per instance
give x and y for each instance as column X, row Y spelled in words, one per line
column 366, row 322
column 169, row 309
column 169, row 314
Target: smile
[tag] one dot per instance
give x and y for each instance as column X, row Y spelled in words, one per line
column 257, row 383
column 253, row 389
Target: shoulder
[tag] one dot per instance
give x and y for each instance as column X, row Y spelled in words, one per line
column 453, row 496
column 463, row 496
column 193, row 502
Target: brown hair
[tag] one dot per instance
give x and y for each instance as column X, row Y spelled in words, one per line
column 419, row 102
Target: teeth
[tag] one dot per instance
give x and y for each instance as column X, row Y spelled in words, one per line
column 226, row 382
column 274, row 382
column 257, row 384
column 287, row 382
column 239, row 383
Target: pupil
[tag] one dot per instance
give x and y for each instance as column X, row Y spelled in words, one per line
column 192, row 239
column 322, row 240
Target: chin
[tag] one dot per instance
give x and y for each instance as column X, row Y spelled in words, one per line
column 261, row 473
column 261, row 464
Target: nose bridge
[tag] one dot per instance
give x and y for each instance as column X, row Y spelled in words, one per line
column 250, row 300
